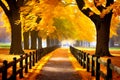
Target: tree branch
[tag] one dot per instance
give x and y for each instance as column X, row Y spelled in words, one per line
column 80, row 4
column 93, row 17
column 109, row 2
column 4, row 7
column 99, row 7
column 12, row 4
column 67, row 4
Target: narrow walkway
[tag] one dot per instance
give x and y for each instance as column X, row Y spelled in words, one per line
column 58, row 67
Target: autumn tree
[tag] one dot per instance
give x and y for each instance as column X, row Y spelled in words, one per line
column 62, row 20
column 11, row 9
column 30, row 19
column 26, row 39
column 102, row 23
column 55, row 12
column 14, row 13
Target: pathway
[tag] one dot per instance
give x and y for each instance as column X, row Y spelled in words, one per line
column 58, row 67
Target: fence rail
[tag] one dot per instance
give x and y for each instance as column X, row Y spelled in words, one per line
column 26, row 61
column 92, row 64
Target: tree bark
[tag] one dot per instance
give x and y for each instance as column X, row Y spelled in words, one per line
column 102, row 46
column 16, row 43
column 16, row 38
column 34, row 39
column 48, row 42
column 39, row 42
column 16, row 47
column 26, row 40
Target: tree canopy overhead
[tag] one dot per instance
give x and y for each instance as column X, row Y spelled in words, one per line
column 51, row 10
column 62, row 10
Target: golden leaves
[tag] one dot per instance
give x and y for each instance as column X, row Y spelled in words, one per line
column 5, row 22
column 114, row 25
column 52, row 2
column 116, row 8
column 71, row 22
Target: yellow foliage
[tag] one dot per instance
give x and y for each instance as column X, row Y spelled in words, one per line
column 64, row 9
column 5, row 21
column 114, row 25
column 31, row 2
column 51, row 9
column 52, row 2
column 116, row 8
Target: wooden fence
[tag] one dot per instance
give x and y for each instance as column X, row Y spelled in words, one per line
column 26, row 61
column 92, row 64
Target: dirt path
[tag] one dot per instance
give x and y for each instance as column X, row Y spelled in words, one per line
column 58, row 67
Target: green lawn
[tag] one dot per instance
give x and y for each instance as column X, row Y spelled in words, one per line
column 115, row 48
column 4, row 45
column 93, row 48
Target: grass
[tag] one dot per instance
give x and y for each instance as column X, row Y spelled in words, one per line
column 93, row 48
column 4, row 45
column 115, row 48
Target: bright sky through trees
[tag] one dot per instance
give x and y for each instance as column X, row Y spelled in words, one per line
column 62, row 19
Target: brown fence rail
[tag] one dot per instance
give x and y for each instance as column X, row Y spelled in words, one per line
column 26, row 61
column 92, row 64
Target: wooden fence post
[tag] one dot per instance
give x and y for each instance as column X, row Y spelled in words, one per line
column 84, row 60
column 30, row 65
column 97, row 69
column 109, row 71
column 77, row 56
column 4, row 71
column 33, row 59
column 26, row 63
column 36, row 56
column 14, row 68
column 81, row 58
column 93, row 65
column 88, row 63
column 40, row 53
column 21, row 66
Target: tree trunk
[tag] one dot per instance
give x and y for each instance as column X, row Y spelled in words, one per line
column 102, row 47
column 33, row 39
column 103, row 32
column 102, row 26
column 56, row 42
column 26, row 40
column 48, row 42
column 16, row 46
column 16, row 38
column 39, row 42
column 13, row 15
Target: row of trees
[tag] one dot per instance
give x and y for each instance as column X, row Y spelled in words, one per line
column 60, row 19
column 102, row 24
column 12, row 11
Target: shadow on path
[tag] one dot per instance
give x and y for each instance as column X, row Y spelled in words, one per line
column 58, row 67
